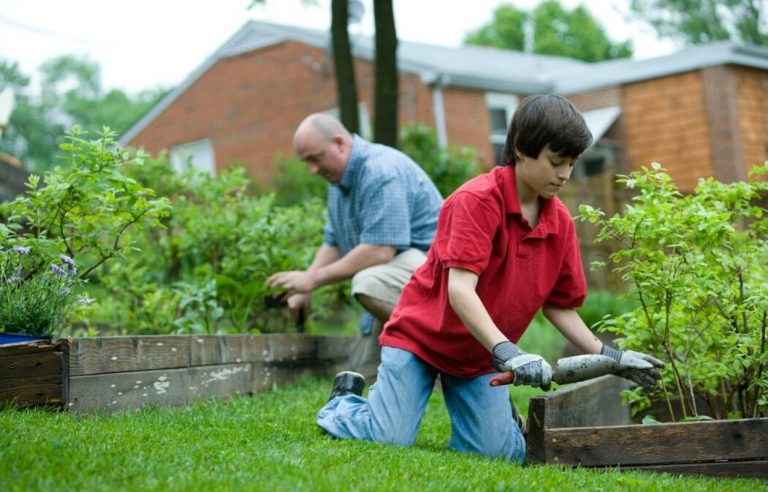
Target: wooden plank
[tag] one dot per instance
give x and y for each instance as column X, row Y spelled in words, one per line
column 731, row 469
column 28, row 347
column 101, row 355
column 30, row 378
column 687, row 442
column 124, row 391
column 290, row 348
column 227, row 349
column 596, row 402
column 334, row 348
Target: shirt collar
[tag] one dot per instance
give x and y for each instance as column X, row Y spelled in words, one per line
column 354, row 164
column 548, row 216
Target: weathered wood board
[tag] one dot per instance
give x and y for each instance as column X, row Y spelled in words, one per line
column 573, row 427
column 33, row 373
column 166, row 387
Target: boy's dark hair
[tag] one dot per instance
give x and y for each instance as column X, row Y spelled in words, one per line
column 546, row 120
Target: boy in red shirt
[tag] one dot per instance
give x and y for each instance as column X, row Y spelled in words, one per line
column 505, row 247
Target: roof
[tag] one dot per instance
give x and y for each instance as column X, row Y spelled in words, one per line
column 479, row 68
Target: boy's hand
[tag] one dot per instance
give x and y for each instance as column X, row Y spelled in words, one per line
column 636, row 366
column 528, row 369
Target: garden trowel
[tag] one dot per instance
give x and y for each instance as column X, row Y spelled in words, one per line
column 571, row 369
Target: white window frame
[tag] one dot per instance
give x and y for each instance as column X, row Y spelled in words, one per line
column 196, row 155
column 506, row 102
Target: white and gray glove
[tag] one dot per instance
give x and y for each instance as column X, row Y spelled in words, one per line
column 529, row 369
column 636, row 366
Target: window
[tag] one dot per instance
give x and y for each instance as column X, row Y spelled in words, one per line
column 500, row 110
column 194, row 155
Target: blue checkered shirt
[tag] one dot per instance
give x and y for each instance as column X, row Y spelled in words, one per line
column 383, row 198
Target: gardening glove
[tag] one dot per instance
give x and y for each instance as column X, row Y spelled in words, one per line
column 636, row 366
column 529, row 369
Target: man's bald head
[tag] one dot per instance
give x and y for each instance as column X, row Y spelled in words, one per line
column 324, row 144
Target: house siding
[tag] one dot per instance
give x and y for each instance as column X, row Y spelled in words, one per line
column 752, row 97
column 468, row 122
column 666, row 121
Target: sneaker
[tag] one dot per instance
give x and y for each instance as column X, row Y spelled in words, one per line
column 347, row 383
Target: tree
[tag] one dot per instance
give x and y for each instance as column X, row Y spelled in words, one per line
column 704, row 21
column 343, row 63
column 385, row 101
column 70, row 92
column 556, row 31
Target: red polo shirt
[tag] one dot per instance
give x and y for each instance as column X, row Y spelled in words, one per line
column 481, row 229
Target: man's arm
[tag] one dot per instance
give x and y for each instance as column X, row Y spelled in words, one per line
column 329, row 267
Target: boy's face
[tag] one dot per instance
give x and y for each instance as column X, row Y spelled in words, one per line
column 543, row 176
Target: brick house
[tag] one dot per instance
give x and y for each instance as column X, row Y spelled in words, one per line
column 700, row 112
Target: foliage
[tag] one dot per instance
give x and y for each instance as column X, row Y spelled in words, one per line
column 449, row 168
column 70, row 93
column 741, row 21
column 34, row 300
column 89, row 209
column 293, row 183
column 270, row 442
column 601, row 304
column 697, row 266
column 556, row 31
column 205, row 271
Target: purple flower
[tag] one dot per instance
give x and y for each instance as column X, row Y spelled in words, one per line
column 57, row 270
column 16, row 277
column 21, row 250
column 66, row 259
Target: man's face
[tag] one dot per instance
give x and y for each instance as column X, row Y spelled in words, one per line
column 327, row 159
column 544, row 175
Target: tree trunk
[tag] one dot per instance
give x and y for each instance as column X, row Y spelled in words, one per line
column 386, row 88
column 346, row 86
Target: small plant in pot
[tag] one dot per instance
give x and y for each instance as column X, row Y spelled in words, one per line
column 35, row 295
column 696, row 264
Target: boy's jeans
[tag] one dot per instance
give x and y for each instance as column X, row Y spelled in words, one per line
column 481, row 416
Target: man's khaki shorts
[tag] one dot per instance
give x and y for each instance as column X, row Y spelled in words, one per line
column 385, row 282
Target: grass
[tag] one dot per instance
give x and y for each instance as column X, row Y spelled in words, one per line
column 270, row 442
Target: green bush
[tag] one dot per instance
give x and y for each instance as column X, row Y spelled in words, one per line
column 87, row 212
column 206, row 270
column 449, row 167
column 696, row 264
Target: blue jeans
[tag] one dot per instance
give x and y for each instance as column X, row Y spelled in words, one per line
column 481, row 416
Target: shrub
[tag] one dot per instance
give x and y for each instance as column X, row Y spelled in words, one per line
column 449, row 168
column 696, row 264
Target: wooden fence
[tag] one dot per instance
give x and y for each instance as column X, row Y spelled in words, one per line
column 599, row 191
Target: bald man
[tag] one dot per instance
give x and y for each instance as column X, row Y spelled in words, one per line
column 382, row 216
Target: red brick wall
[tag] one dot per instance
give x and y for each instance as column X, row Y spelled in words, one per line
column 666, row 121
column 467, row 122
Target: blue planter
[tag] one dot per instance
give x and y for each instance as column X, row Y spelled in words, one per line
column 6, row 338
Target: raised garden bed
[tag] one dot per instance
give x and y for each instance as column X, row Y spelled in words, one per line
column 585, row 425
column 122, row 373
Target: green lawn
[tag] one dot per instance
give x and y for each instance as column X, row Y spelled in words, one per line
column 270, row 442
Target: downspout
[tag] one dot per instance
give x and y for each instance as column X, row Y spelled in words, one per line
column 438, row 108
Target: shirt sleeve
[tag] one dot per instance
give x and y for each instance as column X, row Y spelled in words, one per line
column 386, row 219
column 329, row 237
column 570, row 290
column 465, row 232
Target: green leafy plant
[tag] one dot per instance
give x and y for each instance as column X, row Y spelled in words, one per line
column 85, row 210
column 696, row 264
column 449, row 168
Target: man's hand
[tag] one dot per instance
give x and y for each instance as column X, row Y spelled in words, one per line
column 528, row 369
column 294, row 282
column 638, row 367
column 298, row 306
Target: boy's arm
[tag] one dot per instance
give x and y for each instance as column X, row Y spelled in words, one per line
column 569, row 323
column 516, row 365
column 637, row 366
